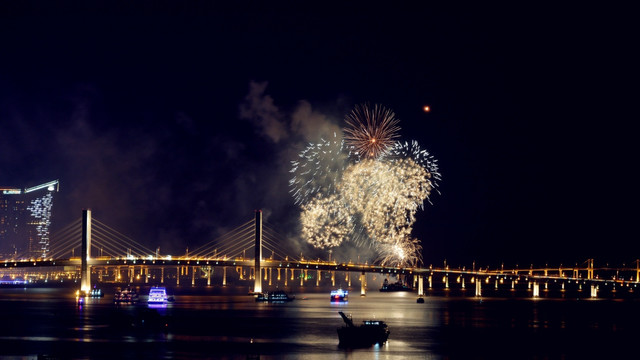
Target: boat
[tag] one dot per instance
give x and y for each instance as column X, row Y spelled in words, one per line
column 158, row 295
column 95, row 292
column 275, row 296
column 339, row 295
column 397, row 286
column 369, row 333
column 128, row 295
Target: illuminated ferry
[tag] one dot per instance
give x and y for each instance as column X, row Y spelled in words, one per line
column 369, row 333
column 275, row 296
column 339, row 295
column 158, row 295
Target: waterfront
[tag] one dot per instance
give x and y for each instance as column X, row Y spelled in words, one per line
column 224, row 323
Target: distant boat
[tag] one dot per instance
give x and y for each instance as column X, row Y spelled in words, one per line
column 95, row 292
column 397, row 286
column 275, row 296
column 339, row 295
column 369, row 333
column 128, row 295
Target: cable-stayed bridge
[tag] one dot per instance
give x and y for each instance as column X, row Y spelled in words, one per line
column 91, row 250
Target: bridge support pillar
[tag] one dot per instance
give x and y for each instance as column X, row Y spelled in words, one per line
column 594, row 291
column 193, row 276
column 303, row 277
column 162, row 275
column 420, row 285
column 333, row 278
column 446, row 281
column 285, row 276
column 224, row 276
column 478, row 287
column 562, row 289
column 209, row 272
column 348, row 280
column 146, row 275
column 363, row 284
column 178, row 275
column 85, row 269
column 270, row 275
column 318, row 274
column 430, row 281
column 536, row 289
column 463, row 287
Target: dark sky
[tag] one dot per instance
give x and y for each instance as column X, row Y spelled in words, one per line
column 174, row 121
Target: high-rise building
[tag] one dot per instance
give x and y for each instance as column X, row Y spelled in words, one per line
column 25, row 217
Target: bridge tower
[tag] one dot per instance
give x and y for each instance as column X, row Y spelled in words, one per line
column 85, row 269
column 257, row 287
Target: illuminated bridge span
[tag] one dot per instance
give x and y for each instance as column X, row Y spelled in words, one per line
column 122, row 260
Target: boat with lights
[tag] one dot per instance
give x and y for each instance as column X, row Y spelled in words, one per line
column 95, row 292
column 275, row 296
column 158, row 295
column 127, row 295
column 397, row 286
column 339, row 295
column 369, row 333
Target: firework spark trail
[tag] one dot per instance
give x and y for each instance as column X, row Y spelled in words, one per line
column 318, row 169
column 371, row 132
column 412, row 150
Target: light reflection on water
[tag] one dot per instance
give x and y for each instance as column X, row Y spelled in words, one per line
column 47, row 321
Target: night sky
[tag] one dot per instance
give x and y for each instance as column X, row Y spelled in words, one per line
column 173, row 123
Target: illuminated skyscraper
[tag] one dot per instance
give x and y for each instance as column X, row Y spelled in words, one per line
column 25, row 217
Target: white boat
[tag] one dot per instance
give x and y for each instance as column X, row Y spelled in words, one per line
column 158, row 295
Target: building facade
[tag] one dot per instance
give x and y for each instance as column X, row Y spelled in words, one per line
column 25, row 218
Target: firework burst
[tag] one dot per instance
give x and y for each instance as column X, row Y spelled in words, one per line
column 402, row 252
column 371, row 131
column 365, row 189
column 383, row 198
column 325, row 222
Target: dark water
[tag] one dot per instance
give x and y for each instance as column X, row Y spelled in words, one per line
column 215, row 325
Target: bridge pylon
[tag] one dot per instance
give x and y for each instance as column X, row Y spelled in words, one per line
column 85, row 269
column 257, row 287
